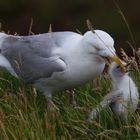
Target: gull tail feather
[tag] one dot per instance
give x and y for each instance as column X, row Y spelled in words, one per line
column 4, row 63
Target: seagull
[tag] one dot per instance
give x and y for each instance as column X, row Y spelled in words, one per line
column 57, row 60
column 124, row 97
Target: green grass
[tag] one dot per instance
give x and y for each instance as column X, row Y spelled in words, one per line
column 24, row 115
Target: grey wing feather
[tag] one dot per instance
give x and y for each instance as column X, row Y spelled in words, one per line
column 32, row 56
column 42, row 44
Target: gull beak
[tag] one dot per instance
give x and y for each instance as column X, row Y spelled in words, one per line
column 116, row 59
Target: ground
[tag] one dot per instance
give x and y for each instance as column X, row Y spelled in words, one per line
column 24, row 115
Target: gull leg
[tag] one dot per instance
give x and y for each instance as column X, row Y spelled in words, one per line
column 72, row 97
column 50, row 104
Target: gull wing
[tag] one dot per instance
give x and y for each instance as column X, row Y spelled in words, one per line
column 32, row 57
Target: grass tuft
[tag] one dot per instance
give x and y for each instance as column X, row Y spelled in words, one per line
column 24, row 115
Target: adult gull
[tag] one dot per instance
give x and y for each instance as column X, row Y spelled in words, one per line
column 57, row 60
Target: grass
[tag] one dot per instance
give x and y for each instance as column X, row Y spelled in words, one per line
column 24, row 115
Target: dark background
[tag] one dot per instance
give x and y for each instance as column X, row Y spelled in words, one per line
column 15, row 16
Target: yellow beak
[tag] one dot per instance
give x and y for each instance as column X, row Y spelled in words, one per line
column 116, row 59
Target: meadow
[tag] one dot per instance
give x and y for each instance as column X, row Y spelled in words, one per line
column 24, row 114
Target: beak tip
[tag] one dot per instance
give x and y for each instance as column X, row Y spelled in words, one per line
column 116, row 59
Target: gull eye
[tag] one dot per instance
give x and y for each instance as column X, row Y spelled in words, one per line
column 118, row 67
column 98, row 49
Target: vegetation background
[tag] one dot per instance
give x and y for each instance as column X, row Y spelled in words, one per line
column 23, row 113
column 15, row 16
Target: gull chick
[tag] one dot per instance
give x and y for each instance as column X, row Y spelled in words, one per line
column 124, row 97
column 57, row 60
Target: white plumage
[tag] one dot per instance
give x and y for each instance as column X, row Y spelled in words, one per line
column 57, row 60
column 124, row 97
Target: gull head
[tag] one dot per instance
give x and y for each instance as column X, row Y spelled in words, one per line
column 116, row 71
column 102, row 44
